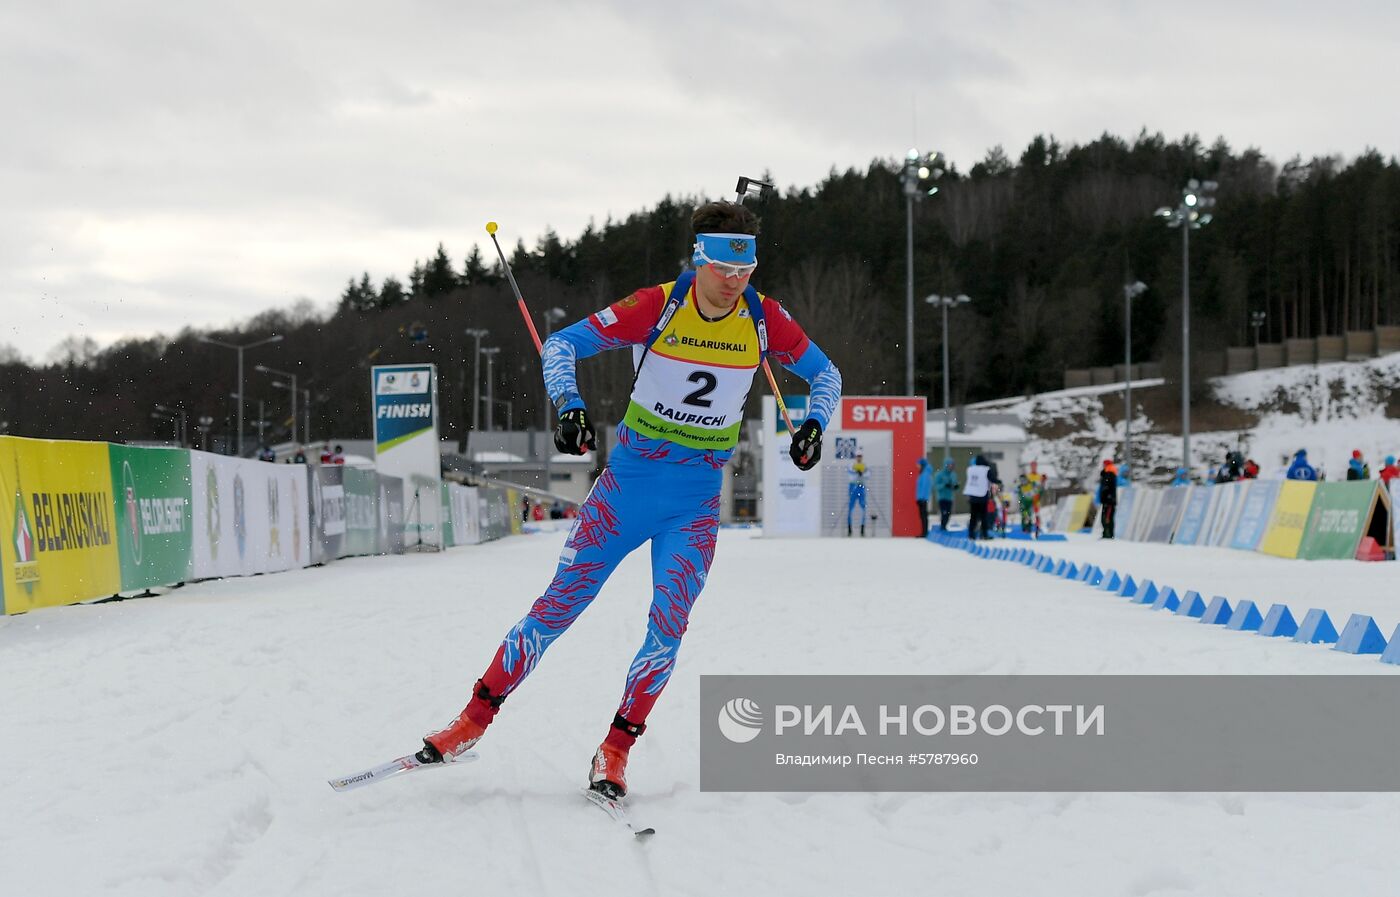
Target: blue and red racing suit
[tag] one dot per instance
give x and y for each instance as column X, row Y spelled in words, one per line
column 662, row 481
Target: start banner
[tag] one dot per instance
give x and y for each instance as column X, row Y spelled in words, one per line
column 59, row 532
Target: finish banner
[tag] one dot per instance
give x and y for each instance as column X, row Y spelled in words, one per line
column 58, row 538
column 405, row 427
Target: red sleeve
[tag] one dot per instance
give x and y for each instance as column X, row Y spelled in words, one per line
column 786, row 340
column 630, row 320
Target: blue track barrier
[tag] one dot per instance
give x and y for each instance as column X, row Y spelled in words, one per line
column 1279, row 623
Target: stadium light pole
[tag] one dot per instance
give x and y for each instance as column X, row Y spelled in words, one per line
column 240, row 349
column 1190, row 214
column 476, row 333
column 264, row 369
column 1130, row 292
column 1256, row 320
column 490, row 353
column 945, row 303
column 305, row 409
column 918, row 167
column 510, row 413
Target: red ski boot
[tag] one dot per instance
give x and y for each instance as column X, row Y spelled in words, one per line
column 608, row 775
column 447, row 745
column 465, row 731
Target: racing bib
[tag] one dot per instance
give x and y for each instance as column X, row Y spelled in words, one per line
column 695, row 378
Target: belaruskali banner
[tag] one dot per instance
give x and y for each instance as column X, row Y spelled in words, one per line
column 58, row 526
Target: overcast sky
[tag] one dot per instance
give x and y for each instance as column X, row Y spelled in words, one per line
column 172, row 163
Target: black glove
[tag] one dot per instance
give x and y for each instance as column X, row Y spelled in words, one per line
column 806, row 448
column 573, row 435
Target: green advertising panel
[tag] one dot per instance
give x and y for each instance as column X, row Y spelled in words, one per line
column 446, row 518
column 361, row 512
column 1341, row 515
column 151, row 491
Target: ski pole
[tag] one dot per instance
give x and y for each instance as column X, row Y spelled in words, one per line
column 778, row 394
column 524, row 311
column 744, row 188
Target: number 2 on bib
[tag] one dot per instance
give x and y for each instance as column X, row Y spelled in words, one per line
column 707, row 383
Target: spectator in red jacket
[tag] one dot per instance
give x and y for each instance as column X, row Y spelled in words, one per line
column 1251, row 469
column 1389, row 471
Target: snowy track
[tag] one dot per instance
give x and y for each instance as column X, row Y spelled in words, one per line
column 180, row 745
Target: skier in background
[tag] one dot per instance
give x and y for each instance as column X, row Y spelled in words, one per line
column 1300, row 469
column 976, row 490
column 923, row 492
column 1037, row 482
column 946, row 483
column 1232, row 469
column 855, row 492
column 1024, row 495
column 1357, row 468
column 1108, row 497
column 1389, row 471
column 700, row 350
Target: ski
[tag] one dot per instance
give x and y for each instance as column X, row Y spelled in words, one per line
column 617, row 812
column 389, row 770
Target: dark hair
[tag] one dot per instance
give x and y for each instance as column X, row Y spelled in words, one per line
column 722, row 217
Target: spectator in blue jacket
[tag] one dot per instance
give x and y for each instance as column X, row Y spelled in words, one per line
column 923, row 493
column 1181, row 478
column 945, row 483
column 1300, row 469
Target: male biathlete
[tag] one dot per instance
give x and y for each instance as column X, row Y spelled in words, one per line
column 702, row 338
column 855, row 492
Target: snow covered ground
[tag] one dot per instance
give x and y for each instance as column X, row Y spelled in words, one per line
column 180, row 745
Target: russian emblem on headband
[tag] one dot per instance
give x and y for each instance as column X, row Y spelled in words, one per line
column 739, row 246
